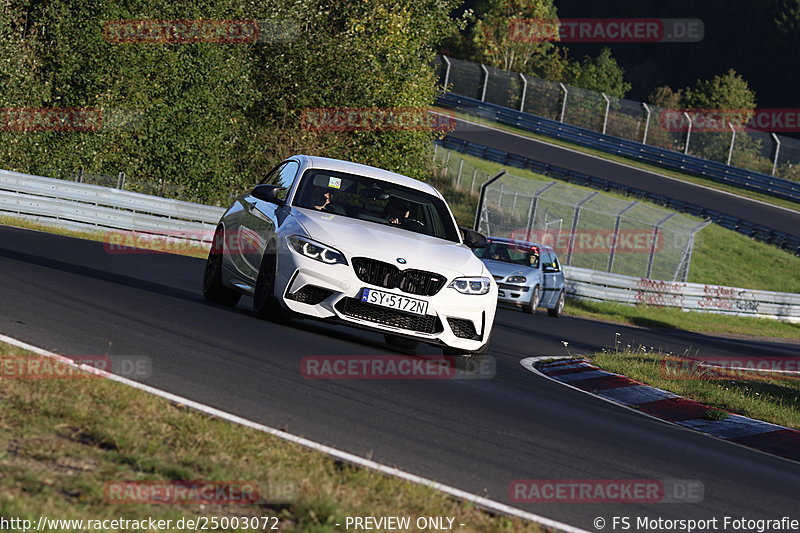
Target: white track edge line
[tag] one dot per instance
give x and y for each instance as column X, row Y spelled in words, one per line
column 529, row 364
column 626, row 165
column 307, row 443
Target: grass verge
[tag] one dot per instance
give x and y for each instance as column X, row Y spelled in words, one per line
column 630, row 162
column 673, row 318
column 720, row 256
column 770, row 397
column 63, row 440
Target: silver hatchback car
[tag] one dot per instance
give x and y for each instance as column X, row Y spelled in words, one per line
column 527, row 274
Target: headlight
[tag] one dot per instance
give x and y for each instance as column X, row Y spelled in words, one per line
column 316, row 250
column 471, row 285
column 517, row 279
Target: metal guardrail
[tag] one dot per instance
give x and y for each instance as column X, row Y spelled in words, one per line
column 668, row 159
column 80, row 206
column 756, row 231
column 602, row 286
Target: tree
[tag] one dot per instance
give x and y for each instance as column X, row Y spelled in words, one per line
column 601, row 73
column 213, row 118
column 667, row 98
column 517, row 35
column 728, row 91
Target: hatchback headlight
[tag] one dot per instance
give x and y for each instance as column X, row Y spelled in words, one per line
column 316, row 250
column 471, row 285
column 517, row 279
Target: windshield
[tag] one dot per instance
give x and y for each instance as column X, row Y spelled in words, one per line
column 377, row 201
column 510, row 253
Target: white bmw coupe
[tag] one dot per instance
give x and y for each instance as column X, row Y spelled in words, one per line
column 356, row 245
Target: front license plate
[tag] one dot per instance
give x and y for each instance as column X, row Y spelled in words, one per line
column 394, row 301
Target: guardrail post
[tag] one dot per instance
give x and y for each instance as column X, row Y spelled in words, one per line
column 656, row 229
column 575, row 218
column 777, row 151
column 79, row 177
column 485, row 81
column 482, row 197
column 733, row 140
column 446, row 72
column 121, row 180
column 647, row 123
column 532, row 209
column 524, row 92
column 613, row 252
column 688, row 133
column 608, row 107
column 564, row 103
column 472, row 187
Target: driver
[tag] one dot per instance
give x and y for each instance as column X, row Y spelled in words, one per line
column 397, row 211
column 320, row 198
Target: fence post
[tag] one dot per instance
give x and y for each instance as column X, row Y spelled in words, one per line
column 655, row 242
column 532, row 209
column 121, row 180
column 472, row 187
column 458, row 179
column 575, row 218
column 524, row 92
column 733, row 140
column 688, row 133
column 777, row 151
column 608, row 107
column 613, row 252
column 646, row 123
column 446, row 162
column 564, row 103
column 485, row 81
column 446, row 72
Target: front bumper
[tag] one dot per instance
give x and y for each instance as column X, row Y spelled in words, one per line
column 331, row 292
column 513, row 294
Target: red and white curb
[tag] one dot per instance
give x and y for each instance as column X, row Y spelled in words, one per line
column 664, row 405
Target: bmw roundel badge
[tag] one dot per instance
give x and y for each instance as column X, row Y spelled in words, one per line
column 401, row 260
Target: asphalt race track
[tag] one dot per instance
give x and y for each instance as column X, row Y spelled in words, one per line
column 760, row 213
column 70, row 296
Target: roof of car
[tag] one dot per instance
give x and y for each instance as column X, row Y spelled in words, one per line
column 520, row 243
column 339, row 165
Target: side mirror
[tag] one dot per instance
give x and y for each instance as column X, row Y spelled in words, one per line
column 268, row 193
column 473, row 239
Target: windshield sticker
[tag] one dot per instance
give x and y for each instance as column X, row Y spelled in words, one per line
column 334, row 183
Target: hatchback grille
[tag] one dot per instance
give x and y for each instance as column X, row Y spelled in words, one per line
column 509, row 287
column 389, row 317
column 417, row 282
column 309, row 294
column 463, row 329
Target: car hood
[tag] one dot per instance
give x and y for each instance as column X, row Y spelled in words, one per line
column 499, row 268
column 359, row 238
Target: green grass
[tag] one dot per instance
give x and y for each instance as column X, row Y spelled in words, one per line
column 632, row 162
column 62, row 440
column 770, row 397
column 673, row 318
column 720, row 257
column 724, row 257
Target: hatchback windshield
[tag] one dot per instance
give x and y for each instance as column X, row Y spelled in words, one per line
column 376, row 201
column 510, row 253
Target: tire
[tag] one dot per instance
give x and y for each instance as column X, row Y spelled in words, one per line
column 533, row 303
column 403, row 343
column 559, row 308
column 213, row 289
column 265, row 305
